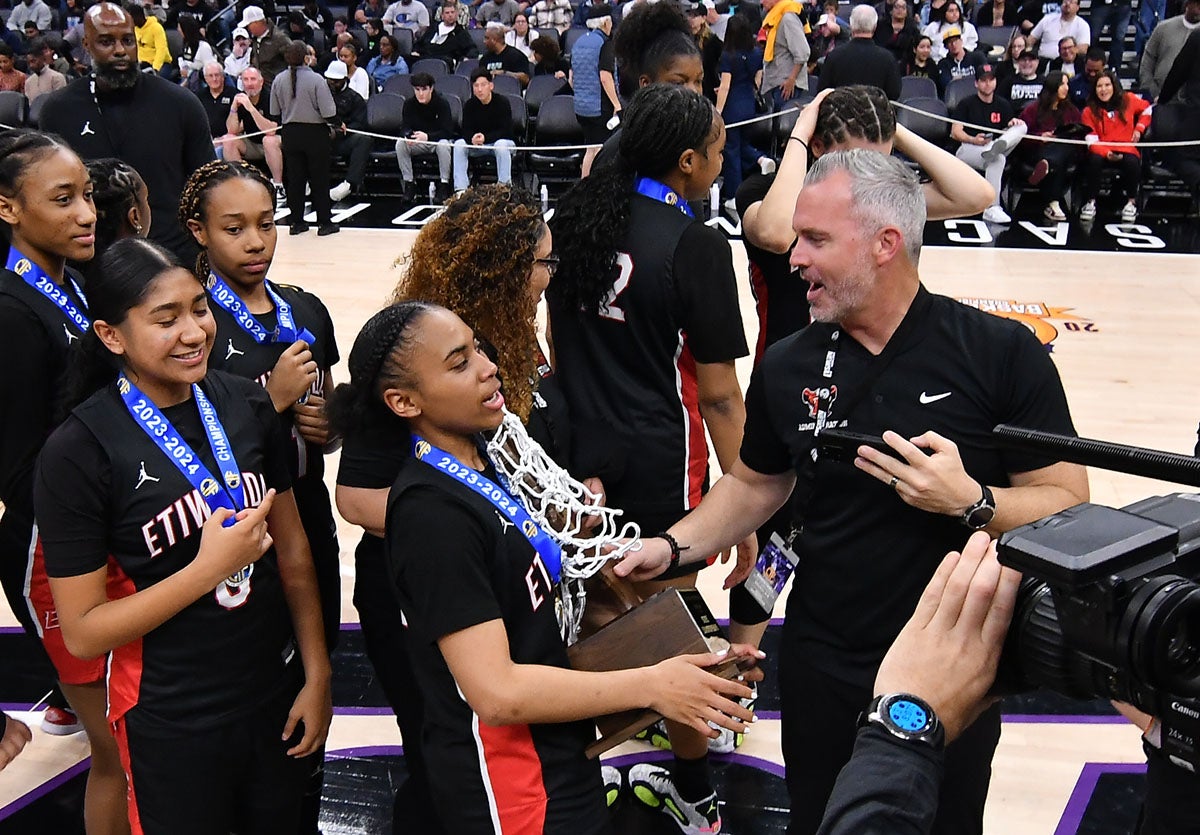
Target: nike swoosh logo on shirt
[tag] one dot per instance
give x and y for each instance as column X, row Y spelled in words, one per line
column 933, row 398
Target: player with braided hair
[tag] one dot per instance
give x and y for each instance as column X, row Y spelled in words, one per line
column 645, row 326
column 654, row 45
column 122, row 205
column 505, row 722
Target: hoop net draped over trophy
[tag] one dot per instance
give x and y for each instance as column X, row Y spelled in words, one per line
column 589, row 534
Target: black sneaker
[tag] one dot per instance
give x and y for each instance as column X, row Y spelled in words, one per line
column 298, row 228
column 328, row 229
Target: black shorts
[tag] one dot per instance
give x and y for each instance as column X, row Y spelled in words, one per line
column 235, row 777
column 595, row 129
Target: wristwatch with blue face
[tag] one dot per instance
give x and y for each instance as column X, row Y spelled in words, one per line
column 905, row 717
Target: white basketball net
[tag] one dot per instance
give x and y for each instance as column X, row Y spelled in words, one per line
column 561, row 506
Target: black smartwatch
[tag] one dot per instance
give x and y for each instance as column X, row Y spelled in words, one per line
column 906, row 717
column 979, row 515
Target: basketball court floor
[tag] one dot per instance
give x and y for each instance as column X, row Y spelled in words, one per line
column 1117, row 307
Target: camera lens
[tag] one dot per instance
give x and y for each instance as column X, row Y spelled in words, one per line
column 1166, row 636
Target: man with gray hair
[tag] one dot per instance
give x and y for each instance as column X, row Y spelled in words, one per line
column 862, row 61
column 926, row 378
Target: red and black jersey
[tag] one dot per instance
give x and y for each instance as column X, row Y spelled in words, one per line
column 629, row 368
column 106, row 495
column 456, row 564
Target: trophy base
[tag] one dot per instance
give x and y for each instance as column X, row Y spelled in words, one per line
column 672, row 622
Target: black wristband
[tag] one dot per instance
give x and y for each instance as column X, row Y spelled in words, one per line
column 675, row 549
column 801, row 141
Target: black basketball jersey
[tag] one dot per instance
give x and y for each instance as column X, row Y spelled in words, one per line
column 106, row 495
column 237, row 352
column 629, row 368
column 456, row 563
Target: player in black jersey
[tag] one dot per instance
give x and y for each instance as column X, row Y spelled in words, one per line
column 48, row 215
column 122, row 204
column 645, row 325
column 281, row 337
column 505, row 724
column 171, row 483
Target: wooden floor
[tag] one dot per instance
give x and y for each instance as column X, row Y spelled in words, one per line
column 1123, row 329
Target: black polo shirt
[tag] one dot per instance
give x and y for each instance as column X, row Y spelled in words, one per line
column 865, row 555
column 216, row 108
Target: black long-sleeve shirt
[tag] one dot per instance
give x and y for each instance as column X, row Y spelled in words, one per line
column 493, row 120
column 889, row 787
column 1185, row 73
column 433, row 119
column 454, row 48
column 351, row 109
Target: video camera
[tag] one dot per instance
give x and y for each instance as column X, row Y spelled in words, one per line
column 1109, row 606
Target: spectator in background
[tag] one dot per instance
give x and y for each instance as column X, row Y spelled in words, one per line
column 360, row 81
column 427, row 127
column 958, row 63
column 1164, row 45
column 319, row 15
column 593, row 78
column 497, row 11
column 26, row 11
column 42, row 78
column 368, row 10
column 785, row 55
column 741, row 74
column 920, row 63
column 827, row 36
column 297, row 28
column 898, row 31
column 520, row 36
column 953, row 20
column 407, row 14
column 1070, row 58
column 861, row 61
column 1111, row 15
column 217, row 98
column 708, row 44
column 72, row 14
column 304, row 103
column 997, row 13
column 548, row 60
column 1047, row 117
column 1026, row 85
column 197, row 52
column 499, row 58
column 1114, row 115
column 238, row 59
column 486, row 120
column 152, row 46
column 267, row 44
column 1050, row 31
column 1184, row 78
column 1007, row 67
column 1032, row 11
column 351, row 115
column 552, row 14
column 10, row 77
column 987, row 151
column 448, row 40
column 1081, row 86
column 250, row 115
column 387, row 63
column 202, row 10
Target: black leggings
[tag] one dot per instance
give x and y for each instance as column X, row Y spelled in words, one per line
column 306, row 153
column 1129, row 167
column 1059, row 157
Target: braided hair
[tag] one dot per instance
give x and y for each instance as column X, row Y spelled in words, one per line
column 661, row 123
column 854, row 112
column 19, row 149
column 193, row 202
column 115, row 188
column 377, row 363
column 650, row 37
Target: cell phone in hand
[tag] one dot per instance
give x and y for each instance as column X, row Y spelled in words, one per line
column 842, row 445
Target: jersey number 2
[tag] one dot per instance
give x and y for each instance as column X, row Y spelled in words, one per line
column 608, row 306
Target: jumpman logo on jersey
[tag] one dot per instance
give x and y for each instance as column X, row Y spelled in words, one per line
column 505, row 524
column 87, row 129
column 71, row 337
column 143, row 476
column 231, row 351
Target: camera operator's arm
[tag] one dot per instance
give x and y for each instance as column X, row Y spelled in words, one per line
column 946, row 655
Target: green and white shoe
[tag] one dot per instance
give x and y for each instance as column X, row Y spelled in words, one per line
column 612, row 784
column 652, row 786
column 656, row 735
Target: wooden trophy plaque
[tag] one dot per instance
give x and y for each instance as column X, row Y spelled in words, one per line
column 672, row 622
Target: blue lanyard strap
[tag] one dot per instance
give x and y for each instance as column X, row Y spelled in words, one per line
column 36, row 277
column 231, row 493
column 655, row 190
column 500, row 498
column 286, row 331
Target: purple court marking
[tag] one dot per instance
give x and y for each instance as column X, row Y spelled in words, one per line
column 1064, row 719
column 45, row 788
column 1073, row 814
column 362, row 710
column 774, row 621
column 350, row 627
column 11, row 630
column 364, row 751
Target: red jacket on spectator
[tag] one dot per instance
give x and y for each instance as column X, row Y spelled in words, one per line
column 1111, row 127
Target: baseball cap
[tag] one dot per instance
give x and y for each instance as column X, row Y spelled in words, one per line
column 336, row 71
column 603, row 10
column 823, row 20
column 240, row 33
column 695, row 10
column 985, row 71
column 952, row 32
column 1029, row 53
column 253, row 14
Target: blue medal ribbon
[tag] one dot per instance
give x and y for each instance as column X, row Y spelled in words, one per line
column 229, row 301
column 509, row 508
column 648, row 187
column 230, row 492
column 37, row 278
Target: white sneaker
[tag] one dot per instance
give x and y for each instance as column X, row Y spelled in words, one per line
column 729, row 741
column 766, row 165
column 280, row 195
column 339, row 192
column 1054, row 211
column 994, row 214
column 1129, row 213
column 731, row 207
column 651, row 784
column 1088, row 212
